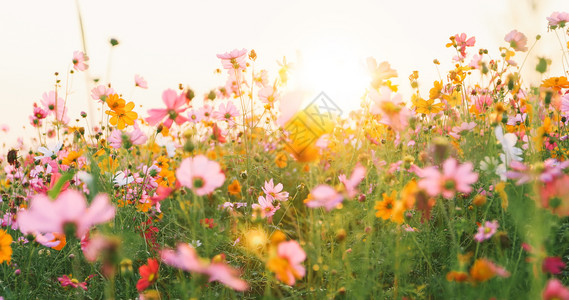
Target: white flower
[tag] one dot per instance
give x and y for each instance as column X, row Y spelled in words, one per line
column 508, row 142
column 49, row 152
column 195, row 243
column 121, row 179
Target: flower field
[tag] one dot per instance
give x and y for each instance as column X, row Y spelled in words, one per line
column 244, row 193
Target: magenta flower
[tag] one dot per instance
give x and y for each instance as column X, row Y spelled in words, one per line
column 140, row 82
column 72, row 282
column 555, row 290
column 553, row 265
column 70, row 207
column 351, row 184
column 186, row 258
column 517, row 40
column 324, row 196
column 101, row 93
column 274, row 192
column 265, row 207
column 234, row 59
column 80, row 61
column 226, row 112
column 200, row 174
column 486, row 231
column 172, row 112
column 454, row 178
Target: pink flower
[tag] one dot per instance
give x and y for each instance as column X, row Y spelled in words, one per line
column 392, row 109
column 70, row 207
column 554, row 290
column 324, row 196
column 486, row 231
column 80, row 61
column 517, row 40
column 56, row 107
column 140, row 82
column 350, row 184
column 294, row 255
column 558, row 19
column 101, row 92
column 553, row 265
column 194, row 116
column 226, row 112
column 234, row 59
column 200, row 174
column 274, row 192
column 463, row 127
column 186, row 258
column 5, row 128
column 265, row 207
column 454, row 178
column 172, row 112
column 463, row 42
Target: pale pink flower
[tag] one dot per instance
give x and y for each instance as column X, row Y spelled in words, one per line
column 454, row 178
column 265, row 207
column 194, row 116
column 517, row 40
column 226, row 112
column 80, row 61
column 200, row 174
column 47, row 240
column 457, row 130
column 379, row 72
column 70, row 207
column 555, row 290
column 101, row 92
column 140, row 82
column 268, row 95
column 351, row 184
column 206, row 112
column 324, row 196
column 186, row 258
column 295, row 255
column 5, row 128
column 274, row 192
column 558, row 19
column 486, row 231
column 234, row 59
column 565, row 103
column 173, row 112
column 261, row 79
column 476, row 61
column 55, row 107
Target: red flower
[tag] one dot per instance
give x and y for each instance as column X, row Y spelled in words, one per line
column 553, row 265
column 149, row 274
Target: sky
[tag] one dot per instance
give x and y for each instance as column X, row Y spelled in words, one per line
column 173, row 42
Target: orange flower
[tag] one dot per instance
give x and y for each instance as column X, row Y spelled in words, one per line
column 122, row 117
column 234, row 188
column 457, row 276
column 483, row 270
column 390, row 208
column 556, row 83
column 149, row 274
column 5, row 246
column 62, row 241
column 115, row 102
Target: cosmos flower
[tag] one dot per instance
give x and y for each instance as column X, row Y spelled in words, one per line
column 50, row 152
column 555, row 290
column 5, row 246
column 453, row 178
column 80, row 61
column 148, row 274
column 287, row 264
column 70, row 207
column 352, row 183
column 140, row 82
column 274, row 192
column 517, row 40
column 101, row 93
column 486, row 231
column 234, row 60
column 324, row 196
column 200, row 174
column 226, row 112
column 265, row 207
column 186, row 258
column 558, row 19
column 173, row 112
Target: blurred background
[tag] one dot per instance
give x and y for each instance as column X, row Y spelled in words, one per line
column 175, row 42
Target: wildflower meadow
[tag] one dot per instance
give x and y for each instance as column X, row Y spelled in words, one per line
column 244, row 192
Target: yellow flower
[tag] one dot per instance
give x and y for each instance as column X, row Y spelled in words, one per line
column 281, row 160
column 72, row 158
column 5, row 246
column 428, row 107
column 385, row 207
column 123, row 117
column 435, row 91
column 453, row 99
column 556, row 83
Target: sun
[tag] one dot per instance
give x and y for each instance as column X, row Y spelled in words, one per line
column 335, row 68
